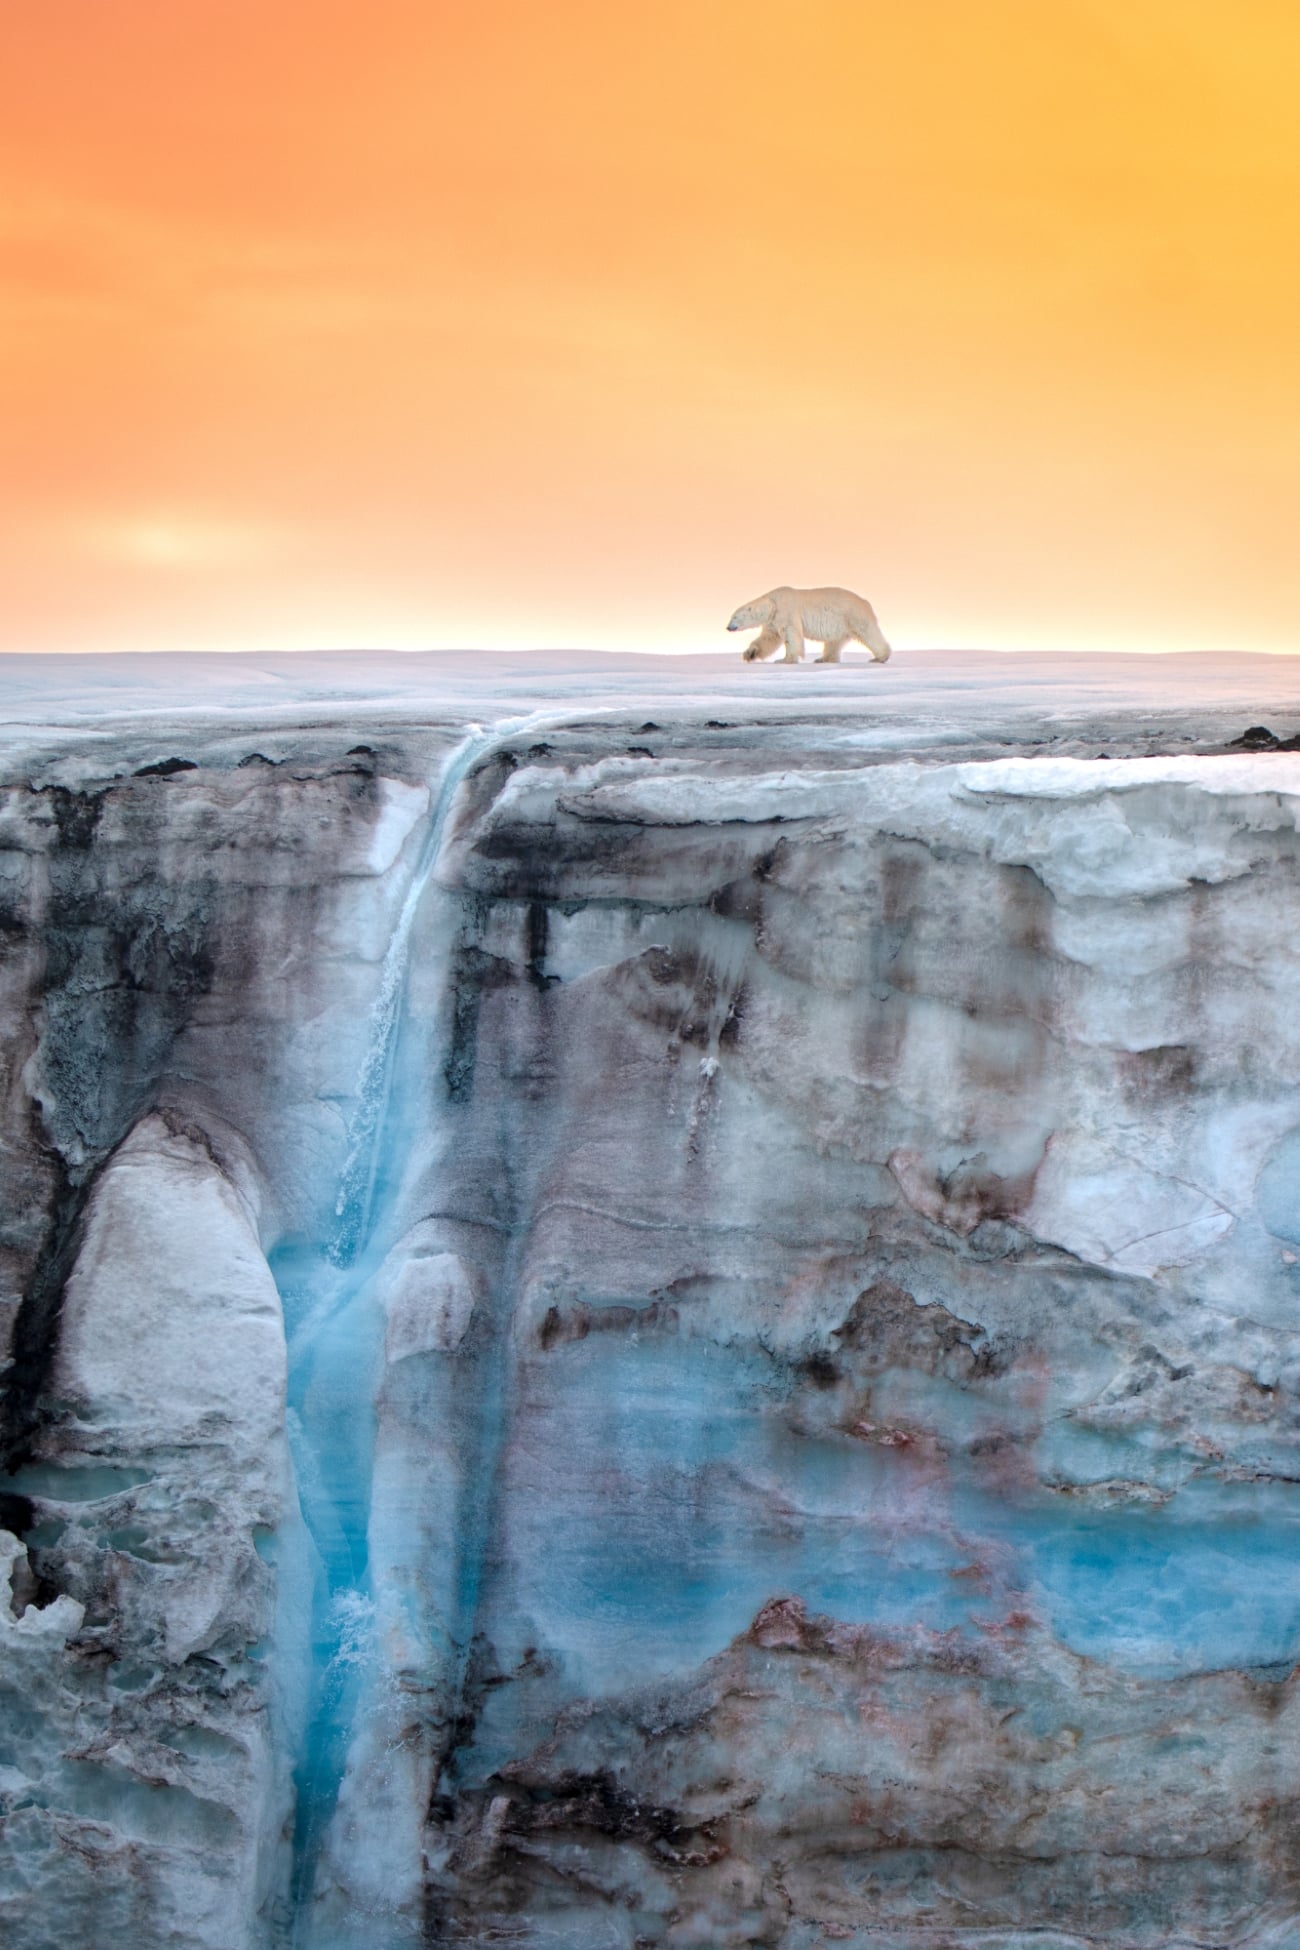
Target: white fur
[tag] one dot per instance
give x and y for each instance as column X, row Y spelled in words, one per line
column 829, row 616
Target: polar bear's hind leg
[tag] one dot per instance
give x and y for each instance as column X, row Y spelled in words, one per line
column 869, row 632
column 831, row 650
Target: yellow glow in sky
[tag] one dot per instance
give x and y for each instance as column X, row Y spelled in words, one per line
column 409, row 323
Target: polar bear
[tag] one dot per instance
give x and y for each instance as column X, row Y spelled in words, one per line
column 829, row 616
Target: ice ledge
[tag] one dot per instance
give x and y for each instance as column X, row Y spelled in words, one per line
column 1088, row 828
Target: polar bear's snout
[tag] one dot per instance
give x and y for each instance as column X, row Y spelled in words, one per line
column 751, row 616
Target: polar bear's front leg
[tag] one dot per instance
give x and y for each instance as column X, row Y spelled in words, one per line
column 793, row 635
column 765, row 644
column 831, row 650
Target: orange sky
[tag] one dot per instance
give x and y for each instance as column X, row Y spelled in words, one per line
column 580, row 321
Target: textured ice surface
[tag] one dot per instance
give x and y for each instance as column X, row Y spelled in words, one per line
column 649, row 1303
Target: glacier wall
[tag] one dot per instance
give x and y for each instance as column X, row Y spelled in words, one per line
column 649, row 1332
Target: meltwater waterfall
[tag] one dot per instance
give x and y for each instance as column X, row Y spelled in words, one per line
column 354, row 1206
column 334, row 1329
column 689, row 1338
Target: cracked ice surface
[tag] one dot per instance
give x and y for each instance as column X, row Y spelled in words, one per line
column 649, row 1305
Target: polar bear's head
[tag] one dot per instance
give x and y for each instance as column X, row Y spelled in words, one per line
column 753, row 616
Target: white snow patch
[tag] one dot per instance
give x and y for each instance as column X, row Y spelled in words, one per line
column 1086, row 778
column 428, row 1301
column 172, row 1316
column 401, row 807
column 1110, row 1210
column 60, row 1620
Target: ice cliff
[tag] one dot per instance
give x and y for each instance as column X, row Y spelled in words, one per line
column 649, row 1326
